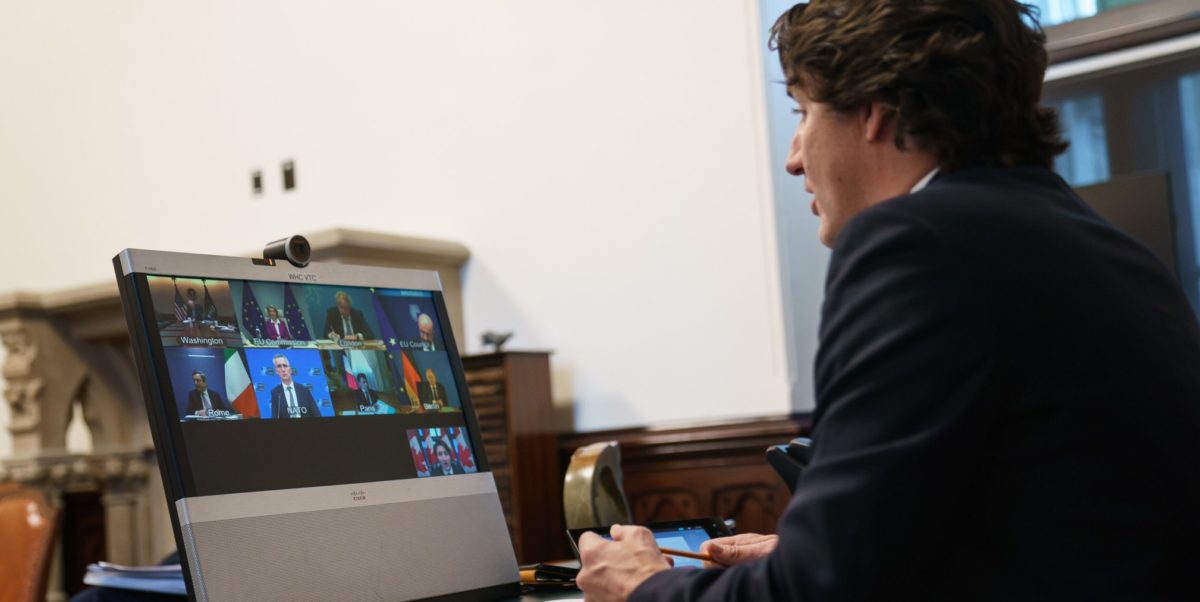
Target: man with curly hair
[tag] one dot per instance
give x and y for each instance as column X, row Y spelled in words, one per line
column 1007, row 387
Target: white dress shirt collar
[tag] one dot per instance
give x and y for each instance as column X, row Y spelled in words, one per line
column 924, row 181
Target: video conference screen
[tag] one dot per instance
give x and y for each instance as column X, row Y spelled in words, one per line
column 355, row 384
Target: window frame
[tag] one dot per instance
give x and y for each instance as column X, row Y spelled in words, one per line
column 1123, row 27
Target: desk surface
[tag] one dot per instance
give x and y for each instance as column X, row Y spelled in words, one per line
column 549, row 596
column 105, row 594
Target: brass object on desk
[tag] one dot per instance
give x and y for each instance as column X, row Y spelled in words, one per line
column 592, row 493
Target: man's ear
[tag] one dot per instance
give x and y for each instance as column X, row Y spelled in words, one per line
column 877, row 121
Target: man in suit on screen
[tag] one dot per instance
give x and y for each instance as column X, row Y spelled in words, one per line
column 431, row 392
column 1007, row 387
column 203, row 401
column 370, row 400
column 290, row 399
column 194, row 310
column 425, row 331
column 344, row 322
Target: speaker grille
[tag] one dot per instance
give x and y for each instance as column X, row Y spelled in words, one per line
column 400, row 551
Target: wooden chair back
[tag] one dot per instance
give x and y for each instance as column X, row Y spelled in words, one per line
column 28, row 527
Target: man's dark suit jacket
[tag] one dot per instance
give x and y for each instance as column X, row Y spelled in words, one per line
column 373, row 396
column 195, row 404
column 1008, row 408
column 304, row 399
column 194, row 310
column 333, row 323
column 425, row 393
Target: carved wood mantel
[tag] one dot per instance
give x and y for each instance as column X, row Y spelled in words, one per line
column 72, row 347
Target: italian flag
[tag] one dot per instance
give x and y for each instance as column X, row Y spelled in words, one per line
column 238, row 388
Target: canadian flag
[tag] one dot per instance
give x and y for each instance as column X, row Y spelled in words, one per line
column 417, row 454
column 464, row 452
column 238, row 388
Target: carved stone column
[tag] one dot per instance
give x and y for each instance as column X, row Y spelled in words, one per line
column 124, row 498
column 24, row 389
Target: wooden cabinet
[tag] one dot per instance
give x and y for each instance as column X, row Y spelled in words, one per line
column 511, row 395
column 710, row 469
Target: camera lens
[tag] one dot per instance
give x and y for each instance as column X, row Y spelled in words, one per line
column 294, row 249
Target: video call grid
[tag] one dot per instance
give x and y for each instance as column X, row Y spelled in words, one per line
column 377, row 351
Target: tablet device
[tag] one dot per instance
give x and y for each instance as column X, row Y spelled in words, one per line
column 686, row 535
column 314, row 431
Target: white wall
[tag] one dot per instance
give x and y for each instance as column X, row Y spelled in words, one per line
column 604, row 162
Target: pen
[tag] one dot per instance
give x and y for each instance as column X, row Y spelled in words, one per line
column 685, row 554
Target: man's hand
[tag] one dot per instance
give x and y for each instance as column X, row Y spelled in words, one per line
column 611, row 570
column 728, row 551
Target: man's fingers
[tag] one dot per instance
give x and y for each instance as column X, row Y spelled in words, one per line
column 631, row 533
column 735, row 552
column 722, row 555
column 589, row 543
column 740, row 538
column 726, row 556
column 719, row 547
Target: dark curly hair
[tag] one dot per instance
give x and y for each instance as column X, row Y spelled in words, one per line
column 964, row 77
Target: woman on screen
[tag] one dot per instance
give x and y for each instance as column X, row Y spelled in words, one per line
column 277, row 329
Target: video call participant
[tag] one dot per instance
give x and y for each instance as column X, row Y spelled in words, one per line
column 344, row 322
column 425, row 328
column 1006, row 386
column 204, row 402
column 367, row 398
column 431, row 392
column 443, row 460
column 288, row 399
column 194, row 310
column 277, row 328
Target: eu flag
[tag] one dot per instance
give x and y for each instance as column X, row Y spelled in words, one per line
column 252, row 318
column 291, row 313
column 388, row 334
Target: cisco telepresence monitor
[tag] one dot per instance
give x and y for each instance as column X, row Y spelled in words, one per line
column 314, row 431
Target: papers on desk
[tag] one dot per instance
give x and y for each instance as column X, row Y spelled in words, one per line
column 195, row 418
column 163, row 579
